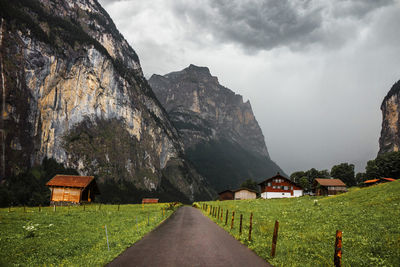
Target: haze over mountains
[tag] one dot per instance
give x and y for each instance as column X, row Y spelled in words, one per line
column 220, row 132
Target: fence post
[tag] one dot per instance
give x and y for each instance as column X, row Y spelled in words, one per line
column 108, row 246
column 9, row 209
column 222, row 214
column 218, row 212
column 240, row 227
column 100, row 206
column 233, row 218
column 250, row 226
column 337, row 259
column 274, row 239
column 54, row 208
column 148, row 219
column 226, row 218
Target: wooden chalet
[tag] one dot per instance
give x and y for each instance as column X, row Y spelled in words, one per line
column 226, row 195
column 244, row 193
column 377, row 181
column 328, row 187
column 72, row 189
column 279, row 186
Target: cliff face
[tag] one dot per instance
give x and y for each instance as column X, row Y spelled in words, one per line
column 390, row 133
column 220, row 132
column 73, row 90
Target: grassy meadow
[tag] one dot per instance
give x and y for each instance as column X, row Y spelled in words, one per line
column 73, row 236
column 369, row 218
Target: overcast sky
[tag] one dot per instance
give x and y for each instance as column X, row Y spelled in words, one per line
column 315, row 71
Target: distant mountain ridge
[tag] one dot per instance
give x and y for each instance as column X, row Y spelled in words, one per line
column 219, row 130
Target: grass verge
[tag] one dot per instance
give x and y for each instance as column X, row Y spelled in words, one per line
column 73, row 236
column 368, row 217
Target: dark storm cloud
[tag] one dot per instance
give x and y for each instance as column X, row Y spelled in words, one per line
column 263, row 25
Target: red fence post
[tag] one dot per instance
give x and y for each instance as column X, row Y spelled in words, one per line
column 337, row 259
column 274, row 239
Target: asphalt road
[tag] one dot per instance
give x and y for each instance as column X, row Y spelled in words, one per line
column 188, row 238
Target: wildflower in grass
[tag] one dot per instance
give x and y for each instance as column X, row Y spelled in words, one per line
column 30, row 229
column 315, row 202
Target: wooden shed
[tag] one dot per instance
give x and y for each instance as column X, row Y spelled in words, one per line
column 68, row 189
column 245, row 193
column 226, row 195
column 328, row 187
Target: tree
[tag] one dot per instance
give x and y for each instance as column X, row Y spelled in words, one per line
column 304, row 183
column 361, row 177
column 295, row 177
column 344, row 172
column 385, row 165
column 250, row 184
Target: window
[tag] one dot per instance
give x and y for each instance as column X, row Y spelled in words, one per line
column 269, row 184
column 286, row 188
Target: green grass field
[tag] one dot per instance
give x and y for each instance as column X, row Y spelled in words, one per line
column 73, row 236
column 368, row 217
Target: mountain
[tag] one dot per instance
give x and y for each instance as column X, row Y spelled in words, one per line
column 390, row 133
column 73, row 90
column 221, row 135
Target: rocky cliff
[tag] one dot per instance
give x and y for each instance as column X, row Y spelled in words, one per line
column 73, row 90
column 390, row 133
column 220, row 132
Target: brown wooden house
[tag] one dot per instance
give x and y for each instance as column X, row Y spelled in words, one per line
column 72, row 189
column 328, row 187
column 280, row 187
column 226, row 195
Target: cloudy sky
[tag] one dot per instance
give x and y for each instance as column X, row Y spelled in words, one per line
column 315, row 71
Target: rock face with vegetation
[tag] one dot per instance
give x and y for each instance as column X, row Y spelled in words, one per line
column 220, row 132
column 390, row 133
column 73, row 90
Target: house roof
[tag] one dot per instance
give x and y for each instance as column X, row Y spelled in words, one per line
column 376, row 180
column 330, row 182
column 225, row 191
column 70, row 181
column 242, row 188
column 278, row 175
column 371, row 181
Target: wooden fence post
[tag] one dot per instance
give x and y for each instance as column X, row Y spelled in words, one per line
column 337, row 259
column 226, row 218
column 274, row 239
column 240, row 227
column 218, row 212
column 250, row 226
column 233, row 218
column 222, row 214
column 9, row 209
column 54, row 208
